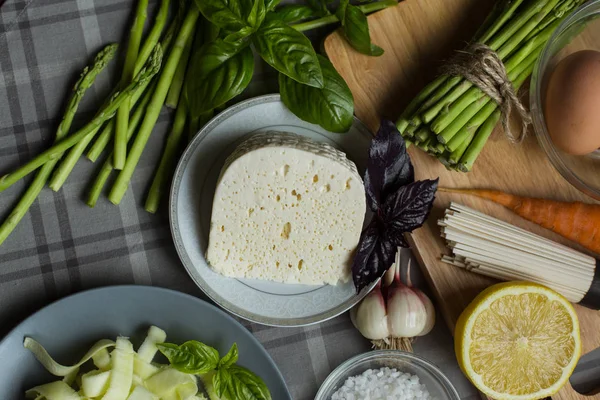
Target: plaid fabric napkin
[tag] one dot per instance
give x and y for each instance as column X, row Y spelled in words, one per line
column 62, row 246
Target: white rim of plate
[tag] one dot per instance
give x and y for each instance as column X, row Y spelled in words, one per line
column 187, row 262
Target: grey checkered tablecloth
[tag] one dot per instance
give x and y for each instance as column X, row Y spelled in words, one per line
column 62, row 246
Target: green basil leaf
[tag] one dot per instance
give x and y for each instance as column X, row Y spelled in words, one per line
column 289, row 52
column 257, row 13
column 220, row 81
column 192, row 357
column 230, row 358
column 214, row 54
column 356, row 29
column 271, row 4
column 222, row 384
column 292, row 13
column 226, row 14
column 239, row 383
column 332, row 107
column 249, row 384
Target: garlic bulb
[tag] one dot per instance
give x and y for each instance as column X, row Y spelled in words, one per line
column 393, row 320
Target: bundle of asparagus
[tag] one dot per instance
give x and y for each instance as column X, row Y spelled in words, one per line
column 451, row 118
column 136, row 102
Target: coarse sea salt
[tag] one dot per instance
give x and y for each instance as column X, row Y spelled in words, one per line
column 382, row 384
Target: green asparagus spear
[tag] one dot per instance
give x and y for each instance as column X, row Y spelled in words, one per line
column 107, row 167
column 85, row 81
column 165, row 167
column 135, row 38
column 158, row 99
column 480, row 139
column 502, row 13
column 419, row 99
column 153, row 36
column 107, row 112
column 105, row 136
column 473, row 96
column 447, row 99
column 461, row 147
column 205, row 33
column 177, row 84
column 422, row 134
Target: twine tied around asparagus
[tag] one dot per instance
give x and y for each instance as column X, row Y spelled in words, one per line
column 480, row 65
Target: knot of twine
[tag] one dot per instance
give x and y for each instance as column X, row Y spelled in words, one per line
column 480, row 65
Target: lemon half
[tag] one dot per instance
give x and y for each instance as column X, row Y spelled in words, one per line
column 518, row 341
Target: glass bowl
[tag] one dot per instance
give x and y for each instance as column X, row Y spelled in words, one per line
column 437, row 384
column 579, row 31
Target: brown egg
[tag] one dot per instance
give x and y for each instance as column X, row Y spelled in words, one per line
column 572, row 104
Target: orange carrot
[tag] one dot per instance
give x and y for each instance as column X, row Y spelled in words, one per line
column 579, row 222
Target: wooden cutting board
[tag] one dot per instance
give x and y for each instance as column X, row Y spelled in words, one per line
column 416, row 35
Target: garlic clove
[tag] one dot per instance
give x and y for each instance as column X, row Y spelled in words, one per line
column 371, row 316
column 430, row 311
column 388, row 277
column 407, row 315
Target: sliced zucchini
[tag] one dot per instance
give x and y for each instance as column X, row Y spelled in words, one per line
column 102, row 360
column 148, row 349
column 58, row 369
column 169, row 382
column 95, row 383
column 58, row 390
column 142, row 368
column 141, row 393
column 121, row 375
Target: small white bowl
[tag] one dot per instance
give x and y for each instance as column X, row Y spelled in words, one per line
column 437, row 383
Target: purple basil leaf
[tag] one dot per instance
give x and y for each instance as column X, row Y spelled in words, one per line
column 389, row 166
column 375, row 254
column 408, row 208
column 365, row 261
column 396, row 239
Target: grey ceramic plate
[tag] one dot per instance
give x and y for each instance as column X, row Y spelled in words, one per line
column 190, row 209
column 70, row 326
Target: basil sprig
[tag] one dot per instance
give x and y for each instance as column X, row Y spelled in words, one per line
column 222, row 67
column 399, row 204
column 229, row 380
